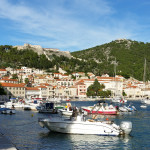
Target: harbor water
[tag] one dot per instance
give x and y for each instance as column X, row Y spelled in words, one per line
column 25, row 133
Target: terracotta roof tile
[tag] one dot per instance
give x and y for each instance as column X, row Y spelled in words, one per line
column 10, row 79
column 32, row 88
column 3, row 70
column 12, row 85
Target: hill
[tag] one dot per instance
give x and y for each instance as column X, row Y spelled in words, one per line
column 129, row 56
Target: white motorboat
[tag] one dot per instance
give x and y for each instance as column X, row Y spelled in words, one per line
column 82, row 126
column 31, row 105
column 16, row 105
column 123, row 109
column 67, row 110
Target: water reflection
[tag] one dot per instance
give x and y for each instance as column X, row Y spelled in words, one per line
column 72, row 141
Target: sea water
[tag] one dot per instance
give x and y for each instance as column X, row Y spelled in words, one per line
column 25, row 133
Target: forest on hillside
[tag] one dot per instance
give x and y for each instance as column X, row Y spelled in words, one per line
column 11, row 57
column 128, row 55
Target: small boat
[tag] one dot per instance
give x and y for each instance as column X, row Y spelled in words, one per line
column 31, row 104
column 7, row 111
column 143, row 106
column 122, row 109
column 127, row 108
column 67, row 110
column 47, row 107
column 119, row 99
column 145, row 101
column 80, row 125
column 101, row 108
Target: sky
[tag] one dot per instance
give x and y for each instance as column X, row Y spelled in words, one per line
column 73, row 25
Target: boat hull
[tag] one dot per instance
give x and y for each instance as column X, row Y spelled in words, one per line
column 104, row 112
column 79, row 127
column 8, row 111
column 147, row 102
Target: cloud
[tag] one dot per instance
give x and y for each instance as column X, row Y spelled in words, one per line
column 73, row 25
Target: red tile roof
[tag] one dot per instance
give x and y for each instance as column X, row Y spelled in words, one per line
column 3, row 70
column 32, row 88
column 10, row 79
column 41, row 86
column 12, row 85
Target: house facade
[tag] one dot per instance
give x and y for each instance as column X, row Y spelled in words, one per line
column 14, row 90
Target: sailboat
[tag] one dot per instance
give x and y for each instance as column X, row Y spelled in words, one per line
column 117, row 98
column 145, row 100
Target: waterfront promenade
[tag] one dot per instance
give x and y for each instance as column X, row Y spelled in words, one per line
column 5, row 143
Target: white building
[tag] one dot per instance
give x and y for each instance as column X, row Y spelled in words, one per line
column 65, row 82
column 26, row 70
column 3, row 72
column 133, row 92
column 31, row 92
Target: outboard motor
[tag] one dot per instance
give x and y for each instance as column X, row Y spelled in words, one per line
column 126, row 126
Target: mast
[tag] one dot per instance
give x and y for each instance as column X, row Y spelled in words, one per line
column 144, row 77
column 115, row 77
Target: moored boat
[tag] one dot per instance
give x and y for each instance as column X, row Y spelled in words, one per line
column 124, row 108
column 101, row 108
column 67, row 110
column 143, row 106
column 47, row 108
column 119, row 99
column 80, row 125
column 146, row 101
column 7, row 111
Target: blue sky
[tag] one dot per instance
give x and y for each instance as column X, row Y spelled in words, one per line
column 72, row 25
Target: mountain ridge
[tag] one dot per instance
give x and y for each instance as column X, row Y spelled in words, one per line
column 127, row 54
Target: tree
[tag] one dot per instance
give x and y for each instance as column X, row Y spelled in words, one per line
column 14, row 76
column 26, row 80
column 93, row 90
column 124, row 94
column 105, row 93
column 2, row 91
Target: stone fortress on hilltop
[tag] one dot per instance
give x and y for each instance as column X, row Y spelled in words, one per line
column 47, row 51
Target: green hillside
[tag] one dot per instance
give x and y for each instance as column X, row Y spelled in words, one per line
column 129, row 56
